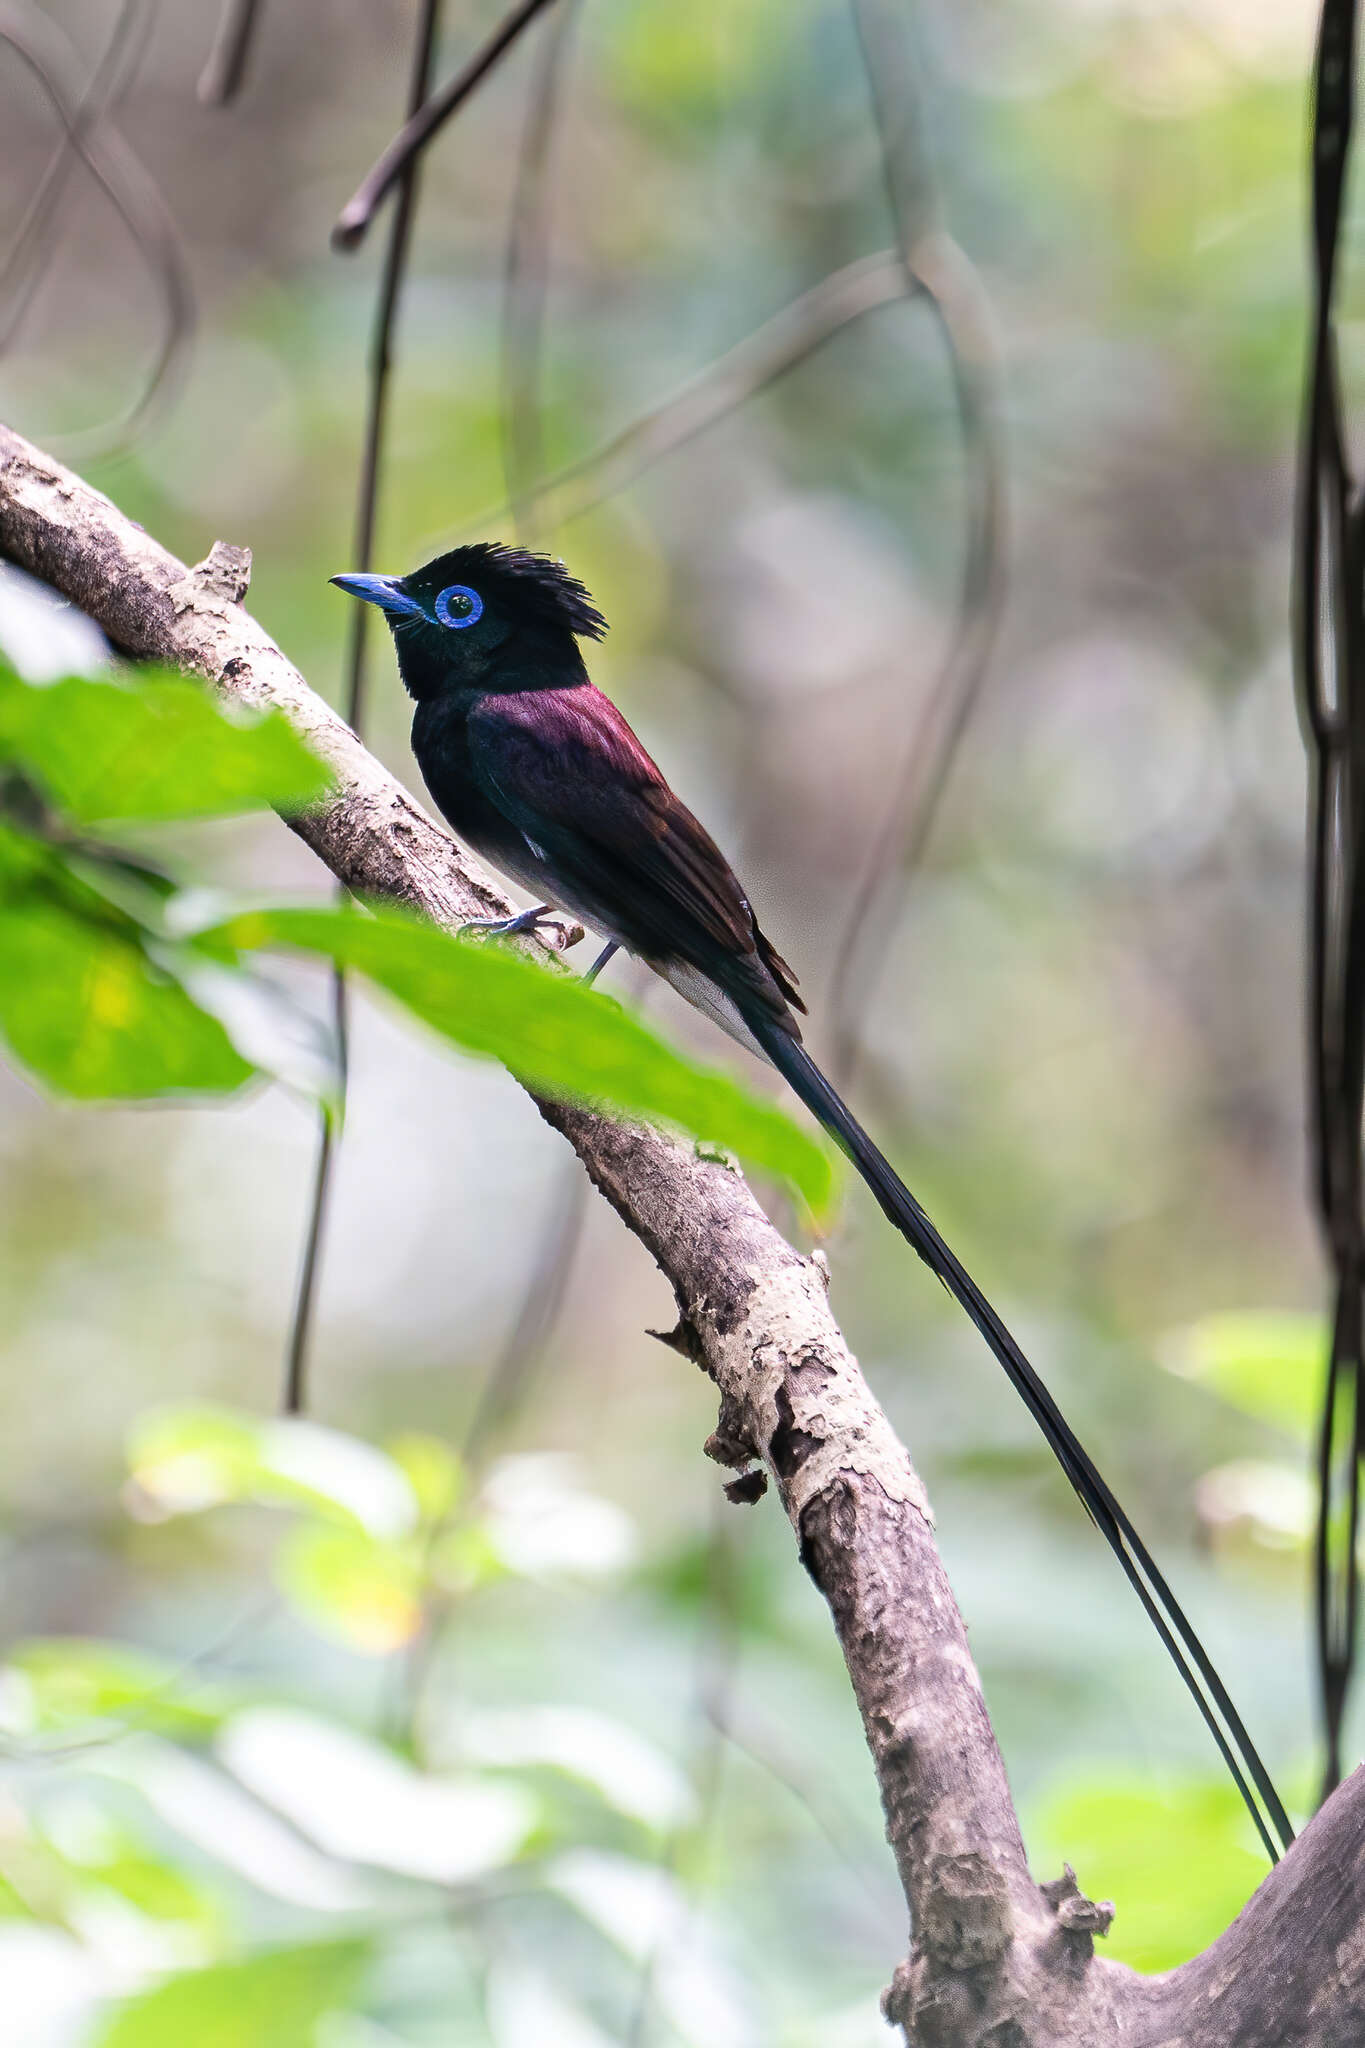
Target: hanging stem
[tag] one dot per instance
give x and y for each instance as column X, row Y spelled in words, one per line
column 366, row 507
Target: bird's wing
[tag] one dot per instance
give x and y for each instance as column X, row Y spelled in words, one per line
column 565, row 768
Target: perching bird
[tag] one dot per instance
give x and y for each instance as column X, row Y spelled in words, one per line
column 540, row 773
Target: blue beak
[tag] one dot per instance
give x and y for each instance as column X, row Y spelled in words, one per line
column 380, row 590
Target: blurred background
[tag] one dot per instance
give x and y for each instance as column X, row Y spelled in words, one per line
column 449, row 1719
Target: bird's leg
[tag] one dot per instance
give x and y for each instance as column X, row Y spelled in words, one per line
column 612, row 946
column 512, row 927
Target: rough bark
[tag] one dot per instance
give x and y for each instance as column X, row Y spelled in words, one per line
column 996, row 1960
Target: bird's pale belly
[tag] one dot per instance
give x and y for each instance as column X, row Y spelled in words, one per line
column 520, row 860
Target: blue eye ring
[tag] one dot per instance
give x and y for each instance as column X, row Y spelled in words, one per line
column 459, row 606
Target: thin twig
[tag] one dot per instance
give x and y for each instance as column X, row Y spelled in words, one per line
column 525, row 274
column 366, row 508
column 551, row 1268
column 944, row 277
column 779, row 345
column 295, row 1399
column 222, row 76
column 119, row 173
column 764, row 1746
column 424, row 124
column 380, row 365
column 523, row 329
column 139, row 1714
column 31, row 249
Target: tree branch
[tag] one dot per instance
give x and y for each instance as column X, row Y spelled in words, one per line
column 997, row 1961
column 427, row 122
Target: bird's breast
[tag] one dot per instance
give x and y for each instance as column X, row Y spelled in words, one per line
column 440, row 743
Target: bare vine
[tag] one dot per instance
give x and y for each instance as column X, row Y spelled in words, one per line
column 366, row 511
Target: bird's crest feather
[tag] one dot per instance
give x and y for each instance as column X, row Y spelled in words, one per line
column 538, row 585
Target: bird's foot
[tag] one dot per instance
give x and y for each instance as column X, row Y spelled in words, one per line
column 612, row 946
column 541, row 918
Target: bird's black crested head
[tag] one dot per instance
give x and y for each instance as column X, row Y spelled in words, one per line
column 485, row 616
column 530, row 589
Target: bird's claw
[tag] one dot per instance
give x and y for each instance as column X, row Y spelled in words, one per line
column 541, row 918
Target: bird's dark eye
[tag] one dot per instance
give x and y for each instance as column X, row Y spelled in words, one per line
column 458, row 605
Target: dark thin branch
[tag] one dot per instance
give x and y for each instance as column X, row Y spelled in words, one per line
column 525, row 273
column 295, row 1401
column 223, row 75
column 29, row 253
column 779, row 345
column 1330, row 650
column 941, row 273
column 764, row 1745
column 139, row 1714
column 551, row 1268
column 525, row 277
column 789, row 338
column 43, row 50
column 381, row 363
column 408, row 145
column 366, row 512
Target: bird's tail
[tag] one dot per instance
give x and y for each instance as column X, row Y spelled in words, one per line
column 1187, row 1653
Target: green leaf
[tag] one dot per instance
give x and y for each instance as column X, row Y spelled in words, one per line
column 157, row 1889
column 270, row 2001
column 1269, row 1364
column 465, row 1559
column 152, row 746
column 94, row 902
column 101, row 1856
column 433, row 1472
column 87, row 1011
column 31, row 866
column 549, row 1029
column 70, row 1679
column 185, row 1459
column 1178, row 1868
column 353, row 1587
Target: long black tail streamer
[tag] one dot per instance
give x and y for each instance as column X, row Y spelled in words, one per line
column 1330, row 648
column 1163, row 1610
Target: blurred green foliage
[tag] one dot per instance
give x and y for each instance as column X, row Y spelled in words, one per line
column 157, row 746
column 1085, row 1049
column 554, row 1034
column 93, row 978
column 1267, row 1365
column 373, row 1547
column 273, row 2001
column 1139, row 1838
column 89, row 1000
column 94, row 995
